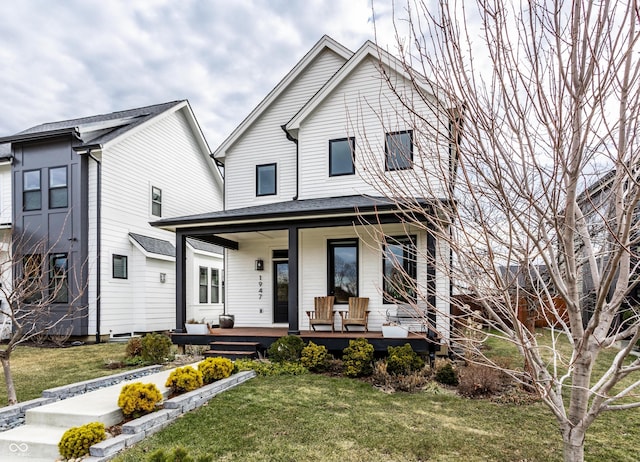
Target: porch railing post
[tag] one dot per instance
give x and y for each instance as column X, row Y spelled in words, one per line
column 294, row 327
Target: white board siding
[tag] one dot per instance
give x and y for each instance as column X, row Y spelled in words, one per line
column 364, row 107
column 164, row 155
column 265, row 142
column 195, row 309
column 5, row 194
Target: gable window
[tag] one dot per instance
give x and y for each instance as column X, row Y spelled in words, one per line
column 341, row 156
column 343, row 269
column 58, row 188
column 203, row 285
column 58, row 284
column 265, row 180
column 156, row 201
column 119, row 267
column 32, row 273
column 398, row 149
column 31, row 190
column 399, row 269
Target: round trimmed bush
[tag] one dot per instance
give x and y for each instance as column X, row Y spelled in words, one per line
column 138, row 398
column 213, row 369
column 314, row 357
column 287, row 348
column 76, row 441
column 446, row 374
column 403, row 360
column 358, row 358
column 184, row 379
column 156, row 348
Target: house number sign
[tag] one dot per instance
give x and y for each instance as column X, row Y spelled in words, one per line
column 260, row 287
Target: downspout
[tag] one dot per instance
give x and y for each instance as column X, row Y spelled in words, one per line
column 98, row 237
column 291, row 138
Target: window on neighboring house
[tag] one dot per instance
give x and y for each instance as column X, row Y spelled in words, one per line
column 399, row 269
column 156, row 201
column 398, row 149
column 31, row 191
column 343, row 269
column 265, row 180
column 203, row 285
column 342, row 156
column 120, row 267
column 32, row 273
column 215, row 285
column 58, row 188
column 58, row 283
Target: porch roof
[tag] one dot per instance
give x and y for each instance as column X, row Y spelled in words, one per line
column 307, row 209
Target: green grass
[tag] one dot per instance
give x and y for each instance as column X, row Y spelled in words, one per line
column 318, row 418
column 37, row 369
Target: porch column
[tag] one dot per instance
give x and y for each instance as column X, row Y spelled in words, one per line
column 294, row 327
column 181, row 281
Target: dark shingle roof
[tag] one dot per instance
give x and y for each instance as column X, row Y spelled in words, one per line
column 154, row 245
column 97, row 129
column 204, row 246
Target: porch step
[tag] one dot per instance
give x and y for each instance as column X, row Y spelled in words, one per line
column 233, row 350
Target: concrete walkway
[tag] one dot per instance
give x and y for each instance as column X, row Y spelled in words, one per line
column 37, row 440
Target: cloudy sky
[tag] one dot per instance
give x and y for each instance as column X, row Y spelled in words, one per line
column 75, row 58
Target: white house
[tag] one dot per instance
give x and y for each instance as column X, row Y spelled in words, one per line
column 305, row 213
column 89, row 187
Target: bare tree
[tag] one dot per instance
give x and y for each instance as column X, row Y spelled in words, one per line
column 546, row 100
column 40, row 296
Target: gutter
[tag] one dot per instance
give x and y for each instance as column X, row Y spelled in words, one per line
column 293, row 140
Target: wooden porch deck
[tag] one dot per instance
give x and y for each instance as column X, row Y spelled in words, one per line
column 334, row 341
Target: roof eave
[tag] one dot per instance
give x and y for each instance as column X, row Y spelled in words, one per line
column 24, row 137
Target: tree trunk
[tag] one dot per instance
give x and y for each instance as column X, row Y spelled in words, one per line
column 573, row 445
column 8, row 380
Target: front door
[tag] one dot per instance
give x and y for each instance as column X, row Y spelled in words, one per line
column 281, row 291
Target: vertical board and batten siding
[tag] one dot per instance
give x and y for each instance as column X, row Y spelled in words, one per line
column 243, row 281
column 196, row 310
column 264, row 142
column 364, row 107
column 165, row 155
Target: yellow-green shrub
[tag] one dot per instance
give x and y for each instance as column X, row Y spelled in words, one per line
column 314, row 357
column 184, row 379
column 76, row 441
column 139, row 398
column 358, row 358
column 213, row 369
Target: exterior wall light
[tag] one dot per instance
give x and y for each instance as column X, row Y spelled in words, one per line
column 259, row 264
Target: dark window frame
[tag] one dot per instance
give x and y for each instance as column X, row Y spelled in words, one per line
column 409, row 271
column 331, row 273
column 58, row 279
column 275, row 179
column 215, row 285
column 33, row 278
column 124, row 261
column 393, row 166
column 27, row 192
column 156, row 203
column 352, row 149
column 203, row 296
column 65, row 187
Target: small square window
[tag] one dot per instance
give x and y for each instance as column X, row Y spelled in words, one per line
column 58, row 188
column 398, row 148
column 120, row 267
column 341, row 156
column 266, row 180
column 156, row 201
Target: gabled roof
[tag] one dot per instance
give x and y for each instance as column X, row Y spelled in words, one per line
column 152, row 246
column 197, row 244
column 325, row 42
column 369, row 49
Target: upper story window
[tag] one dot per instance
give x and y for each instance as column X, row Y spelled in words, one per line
column 341, row 156
column 399, row 269
column 266, row 180
column 58, row 188
column 398, row 149
column 156, row 201
column 343, row 269
column 119, row 263
column 31, row 190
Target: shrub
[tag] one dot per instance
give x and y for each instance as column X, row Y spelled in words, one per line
column 179, row 454
column 314, row 357
column 139, row 398
column 76, row 441
column 445, row 373
column 184, row 379
column 288, row 348
column 156, row 348
column 267, row 368
column 134, row 347
column 403, row 360
column 213, row 369
column 409, row 382
column 480, row 380
column 358, row 358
